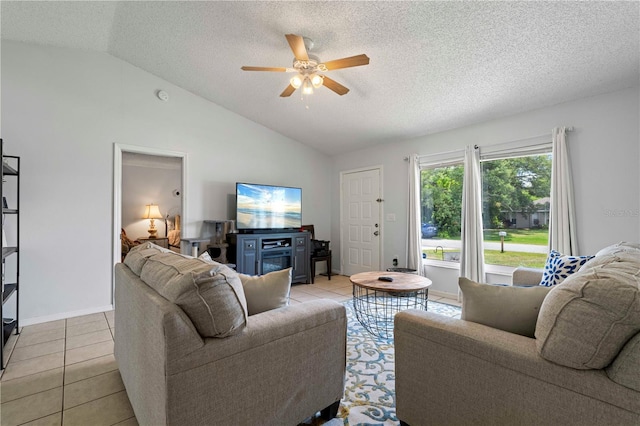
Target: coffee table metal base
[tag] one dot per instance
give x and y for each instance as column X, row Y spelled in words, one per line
column 375, row 309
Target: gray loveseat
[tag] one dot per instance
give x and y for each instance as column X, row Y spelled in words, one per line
column 583, row 367
column 276, row 367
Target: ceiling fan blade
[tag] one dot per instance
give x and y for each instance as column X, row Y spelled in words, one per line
column 335, row 86
column 277, row 69
column 296, row 43
column 288, row 91
column 352, row 61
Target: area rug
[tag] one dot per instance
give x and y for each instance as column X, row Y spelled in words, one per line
column 369, row 397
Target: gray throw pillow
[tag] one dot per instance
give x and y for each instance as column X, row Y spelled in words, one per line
column 210, row 294
column 585, row 322
column 213, row 300
column 512, row 309
column 138, row 255
column 625, row 369
column 266, row 292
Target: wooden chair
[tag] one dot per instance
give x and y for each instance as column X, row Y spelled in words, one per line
column 320, row 252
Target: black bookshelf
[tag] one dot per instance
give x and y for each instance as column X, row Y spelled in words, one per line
column 10, row 174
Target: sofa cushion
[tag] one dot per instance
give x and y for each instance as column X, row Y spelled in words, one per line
column 622, row 246
column 266, row 292
column 210, row 294
column 624, row 261
column 558, row 267
column 512, row 309
column 625, row 369
column 586, row 321
column 138, row 255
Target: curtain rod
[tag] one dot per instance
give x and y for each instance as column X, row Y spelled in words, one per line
column 568, row 129
column 406, row 158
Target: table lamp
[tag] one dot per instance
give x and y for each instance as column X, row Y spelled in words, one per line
column 152, row 212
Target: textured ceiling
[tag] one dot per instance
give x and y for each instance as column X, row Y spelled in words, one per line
column 434, row 65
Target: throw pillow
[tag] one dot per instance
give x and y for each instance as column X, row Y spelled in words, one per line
column 213, row 300
column 559, row 267
column 585, row 322
column 622, row 261
column 622, row 246
column 512, row 309
column 625, row 369
column 266, row 292
column 206, row 257
column 210, row 294
column 138, row 255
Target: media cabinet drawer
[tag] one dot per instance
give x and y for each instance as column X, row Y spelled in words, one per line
column 249, row 244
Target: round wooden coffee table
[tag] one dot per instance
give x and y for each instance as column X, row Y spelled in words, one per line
column 376, row 302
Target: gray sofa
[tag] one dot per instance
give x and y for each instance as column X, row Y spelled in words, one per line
column 276, row 367
column 452, row 371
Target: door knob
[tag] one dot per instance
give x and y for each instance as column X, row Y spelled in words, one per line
column 376, row 233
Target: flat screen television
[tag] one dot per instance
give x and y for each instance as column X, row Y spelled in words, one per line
column 267, row 207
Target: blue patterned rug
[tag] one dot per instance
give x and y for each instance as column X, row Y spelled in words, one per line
column 369, row 397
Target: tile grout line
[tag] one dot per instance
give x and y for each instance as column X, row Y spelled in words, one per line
column 94, row 400
column 89, row 378
column 35, row 393
column 30, row 421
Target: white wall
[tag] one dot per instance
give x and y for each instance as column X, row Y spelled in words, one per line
column 605, row 159
column 62, row 111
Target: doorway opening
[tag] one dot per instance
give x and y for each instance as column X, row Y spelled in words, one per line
column 145, row 176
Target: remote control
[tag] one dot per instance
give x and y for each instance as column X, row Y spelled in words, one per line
column 387, row 279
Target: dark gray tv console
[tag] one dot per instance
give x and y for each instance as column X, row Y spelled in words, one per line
column 258, row 254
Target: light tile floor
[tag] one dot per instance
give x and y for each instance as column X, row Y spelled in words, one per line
column 64, row 372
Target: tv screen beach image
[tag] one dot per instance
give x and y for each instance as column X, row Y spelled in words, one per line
column 268, row 207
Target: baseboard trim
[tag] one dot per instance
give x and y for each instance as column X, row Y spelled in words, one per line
column 64, row 315
column 437, row 293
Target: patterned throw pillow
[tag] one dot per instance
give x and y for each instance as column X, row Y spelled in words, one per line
column 559, row 267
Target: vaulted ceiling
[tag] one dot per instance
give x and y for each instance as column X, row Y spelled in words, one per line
column 434, row 65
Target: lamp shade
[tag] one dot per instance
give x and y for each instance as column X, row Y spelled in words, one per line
column 151, row 211
column 296, row 81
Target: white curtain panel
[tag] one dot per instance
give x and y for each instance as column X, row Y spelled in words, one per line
column 414, row 249
column 562, row 231
column 472, row 253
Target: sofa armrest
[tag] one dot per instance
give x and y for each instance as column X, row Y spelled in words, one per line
column 271, row 326
column 494, row 375
column 286, row 364
column 526, row 276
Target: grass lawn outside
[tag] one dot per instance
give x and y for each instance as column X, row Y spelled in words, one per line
column 538, row 237
column 494, row 257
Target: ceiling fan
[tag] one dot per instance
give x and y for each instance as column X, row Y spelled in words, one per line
column 309, row 68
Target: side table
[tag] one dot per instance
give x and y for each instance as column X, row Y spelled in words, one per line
column 162, row 242
column 376, row 302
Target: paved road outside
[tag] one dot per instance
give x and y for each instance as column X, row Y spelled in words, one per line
column 432, row 243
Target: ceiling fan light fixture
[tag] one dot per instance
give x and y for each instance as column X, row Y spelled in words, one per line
column 307, row 87
column 316, row 80
column 296, row 81
column 308, row 68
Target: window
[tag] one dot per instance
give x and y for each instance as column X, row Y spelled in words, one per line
column 441, row 204
column 515, row 201
column 516, row 186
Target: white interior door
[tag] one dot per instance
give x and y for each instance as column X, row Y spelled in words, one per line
column 361, row 233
